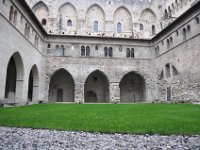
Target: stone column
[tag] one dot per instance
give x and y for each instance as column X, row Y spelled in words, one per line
column 114, row 92
column 79, row 92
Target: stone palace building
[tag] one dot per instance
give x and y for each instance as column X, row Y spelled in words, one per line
column 99, row 51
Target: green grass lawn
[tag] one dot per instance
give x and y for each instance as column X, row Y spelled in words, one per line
column 107, row 118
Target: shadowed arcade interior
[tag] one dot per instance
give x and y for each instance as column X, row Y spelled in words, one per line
column 96, row 88
column 132, row 88
column 14, row 78
column 61, row 88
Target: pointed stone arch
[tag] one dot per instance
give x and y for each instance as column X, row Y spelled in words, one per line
column 14, row 78
column 123, row 15
column 61, row 87
column 91, row 17
column 132, row 88
column 41, row 11
column 148, row 15
column 96, row 88
column 68, row 12
column 33, row 84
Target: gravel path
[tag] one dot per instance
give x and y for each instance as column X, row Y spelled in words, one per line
column 29, row 139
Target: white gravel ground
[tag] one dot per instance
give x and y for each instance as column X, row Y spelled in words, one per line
column 29, row 139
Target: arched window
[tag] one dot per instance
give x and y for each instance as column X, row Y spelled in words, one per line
column 11, row 13
column 188, row 30
column 49, row 46
column 132, row 53
column 36, row 41
column 96, row 47
column 105, row 51
column 170, row 12
column 82, row 50
column 95, row 26
column 166, row 14
column 173, row 9
column 87, row 51
column 69, row 23
column 168, row 44
column 141, row 27
column 197, row 20
column 110, row 51
column 171, row 42
column 177, row 33
column 44, row 22
column 184, row 34
column 119, row 27
column 27, row 30
column 153, row 30
column 15, row 17
column 167, row 70
column 128, row 53
column 157, row 51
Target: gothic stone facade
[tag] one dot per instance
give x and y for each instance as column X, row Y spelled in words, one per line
column 99, row 51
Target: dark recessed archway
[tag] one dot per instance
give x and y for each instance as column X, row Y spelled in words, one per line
column 33, row 85
column 96, row 88
column 61, row 88
column 132, row 88
column 14, row 78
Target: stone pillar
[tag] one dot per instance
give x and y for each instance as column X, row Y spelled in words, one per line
column 114, row 92
column 79, row 92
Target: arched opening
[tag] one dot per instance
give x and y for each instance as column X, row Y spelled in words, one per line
column 119, row 27
column 44, row 22
column 11, row 13
column 61, row 88
column 11, row 79
column 128, row 53
column 87, row 51
column 14, row 78
column 141, row 27
column 69, row 23
column 15, row 17
column 96, row 88
column 33, row 85
column 153, row 28
column 105, row 51
column 132, row 88
column 82, row 50
column 95, row 26
column 184, row 34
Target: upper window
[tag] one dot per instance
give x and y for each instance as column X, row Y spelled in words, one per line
column 119, row 27
column 197, row 20
column 141, row 27
column 96, row 47
column 184, row 34
column 11, row 13
column 96, row 26
column 153, row 30
column 87, row 51
column 69, row 23
column 44, row 22
column 15, row 17
column 82, row 50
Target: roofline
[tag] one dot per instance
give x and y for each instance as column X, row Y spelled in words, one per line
column 194, row 7
column 97, row 37
column 32, row 15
